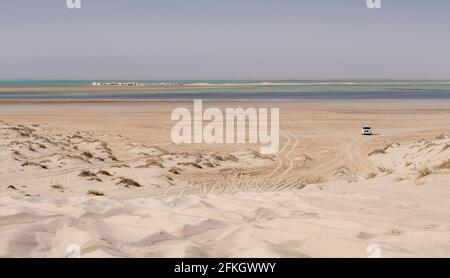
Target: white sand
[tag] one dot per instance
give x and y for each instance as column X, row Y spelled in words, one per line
column 322, row 195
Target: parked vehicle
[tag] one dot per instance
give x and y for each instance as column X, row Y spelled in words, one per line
column 366, row 130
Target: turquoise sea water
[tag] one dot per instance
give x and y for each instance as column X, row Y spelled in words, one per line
column 247, row 89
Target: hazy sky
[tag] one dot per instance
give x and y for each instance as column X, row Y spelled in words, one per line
column 226, row 39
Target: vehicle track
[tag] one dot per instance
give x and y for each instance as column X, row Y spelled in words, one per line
column 290, row 161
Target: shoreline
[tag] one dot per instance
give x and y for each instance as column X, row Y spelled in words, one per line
column 83, row 88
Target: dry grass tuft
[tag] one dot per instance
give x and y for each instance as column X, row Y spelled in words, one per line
column 385, row 170
column 380, row 151
column 127, row 182
column 87, row 154
column 371, row 175
column 152, row 162
column 228, row 157
column 86, row 173
column 424, row 172
column 104, row 173
column 444, row 165
column 95, row 193
column 377, row 151
column 57, row 186
column 31, row 163
column 174, row 170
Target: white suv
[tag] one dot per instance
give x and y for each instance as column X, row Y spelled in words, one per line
column 366, row 130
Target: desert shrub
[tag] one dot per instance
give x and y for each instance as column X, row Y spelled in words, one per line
column 104, row 173
column 385, row 170
column 86, row 173
column 424, row 172
column 95, row 193
column 444, row 165
column 127, row 182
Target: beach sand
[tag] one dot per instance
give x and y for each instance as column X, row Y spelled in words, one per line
column 106, row 177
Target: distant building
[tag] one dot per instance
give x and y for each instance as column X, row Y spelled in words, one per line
column 134, row 84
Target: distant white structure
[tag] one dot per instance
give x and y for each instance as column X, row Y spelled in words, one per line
column 135, row 84
column 171, row 84
column 120, row 84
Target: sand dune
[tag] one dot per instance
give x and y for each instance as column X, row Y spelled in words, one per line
column 417, row 159
column 39, row 162
column 340, row 221
column 91, row 189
